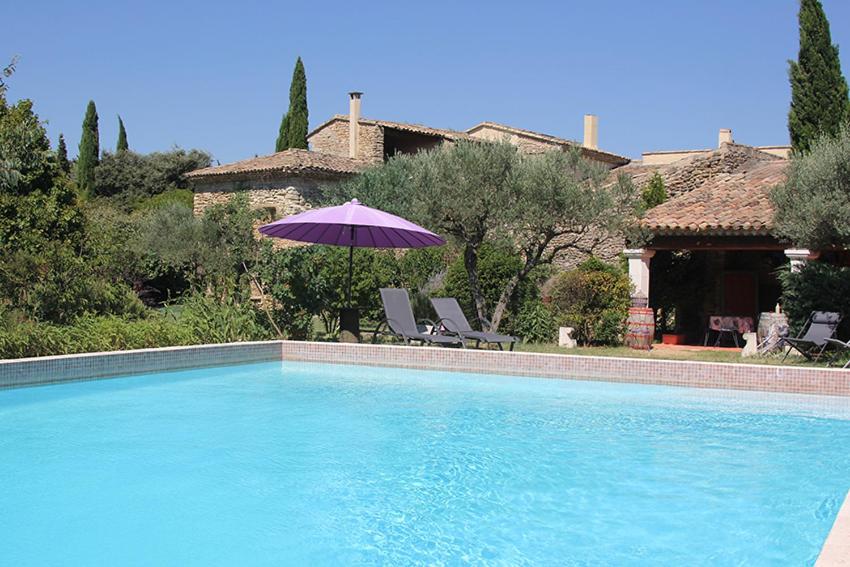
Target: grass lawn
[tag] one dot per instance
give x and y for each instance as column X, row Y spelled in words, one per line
column 667, row 354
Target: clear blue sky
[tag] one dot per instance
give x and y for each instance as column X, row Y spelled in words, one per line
column 661, row 74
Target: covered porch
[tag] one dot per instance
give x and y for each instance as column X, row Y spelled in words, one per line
column 690, row 281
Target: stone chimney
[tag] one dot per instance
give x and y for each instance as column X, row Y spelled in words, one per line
column 353, row 123
column 724, row 137
column 591, row 132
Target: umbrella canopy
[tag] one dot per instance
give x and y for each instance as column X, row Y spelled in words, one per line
column 352, row 224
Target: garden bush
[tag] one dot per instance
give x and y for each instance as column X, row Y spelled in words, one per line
column 593, row 299
column 816, row 287
column 92, row 334
column 535, row 323
column 198, row 320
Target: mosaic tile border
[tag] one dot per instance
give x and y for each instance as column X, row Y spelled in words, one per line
column 755, row 377
column 91, row 366
column 836, row 549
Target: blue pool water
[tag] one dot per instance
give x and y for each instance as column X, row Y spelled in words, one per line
column 270, row 464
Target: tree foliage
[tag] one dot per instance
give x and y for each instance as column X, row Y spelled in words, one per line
column 813, row 205
column 128, row 178
column 89, row 151
column 819, row 96
column 480, row 192
column 818, row 286
column 294, row 124
column 655, row 192
column 122, row 145
column 62, row 155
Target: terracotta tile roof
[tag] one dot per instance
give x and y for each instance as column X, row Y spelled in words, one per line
column 731, row 203
column 598, row 154
column 293, row 161
column 414, row 128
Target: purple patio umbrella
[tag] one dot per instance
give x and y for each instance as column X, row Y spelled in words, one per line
column 354, row 225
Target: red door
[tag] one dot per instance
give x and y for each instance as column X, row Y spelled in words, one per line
column 740, row 293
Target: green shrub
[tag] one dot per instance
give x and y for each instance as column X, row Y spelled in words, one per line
column 535, row 323
column 92, row 334
column 816, row 287
column 213, row 320
column 181, row 196
column 654, row 193
column 593, row 299
column 198, row 320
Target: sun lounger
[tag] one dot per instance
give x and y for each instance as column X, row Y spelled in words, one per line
column 454, row 322
column 401, row 323
column 812, row 340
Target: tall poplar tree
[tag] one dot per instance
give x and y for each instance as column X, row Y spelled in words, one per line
column 294, row 125
column 121, row 146
column 819, row 96
column 62, row 155
column 89, row 154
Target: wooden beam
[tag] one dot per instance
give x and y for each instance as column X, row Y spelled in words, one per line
column 662, row 242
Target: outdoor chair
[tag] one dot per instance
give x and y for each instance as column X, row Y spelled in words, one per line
column 840, row 346
column 455, row 323
column 813, row 337
column 400, row 322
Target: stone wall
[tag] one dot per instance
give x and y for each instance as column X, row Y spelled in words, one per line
column 604, row 246
column 282, row 196
column 687, row 175
column 333, row 139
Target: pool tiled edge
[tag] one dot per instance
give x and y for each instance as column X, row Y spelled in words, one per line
column 88, row 366
column 754, row 377
column 836, row 550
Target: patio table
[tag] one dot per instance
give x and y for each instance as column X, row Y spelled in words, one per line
column 732, row 325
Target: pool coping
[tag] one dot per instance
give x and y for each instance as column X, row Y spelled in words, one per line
column 836, row 549
column 681, row 373
column 22, row 372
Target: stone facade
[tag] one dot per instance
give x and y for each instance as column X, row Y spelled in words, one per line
column 333, row 139
column 606, row 247
column 281, row 196
column 529, row 142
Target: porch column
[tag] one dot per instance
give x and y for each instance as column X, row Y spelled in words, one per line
column 639, row 259
column 799, row 257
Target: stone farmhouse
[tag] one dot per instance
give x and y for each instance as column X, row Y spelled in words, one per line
column 285, row 182
column 718, row 207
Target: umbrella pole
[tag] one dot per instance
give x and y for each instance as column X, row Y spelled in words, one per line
column 350, row 265
column 350, row 272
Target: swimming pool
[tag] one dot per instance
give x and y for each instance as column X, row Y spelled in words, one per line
column 306, row 463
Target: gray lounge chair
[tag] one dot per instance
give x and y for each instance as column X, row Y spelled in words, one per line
column 400, row 322
column 454, row 321
column 812, row 340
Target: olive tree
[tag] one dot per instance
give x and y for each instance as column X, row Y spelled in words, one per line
column 475, row 192
column 813, row 205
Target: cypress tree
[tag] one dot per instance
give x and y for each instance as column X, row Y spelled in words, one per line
column 819, row 96
column 62, row 155
column 89, row 153
column 297, row 115
column 122, row 137
column 293, row 126
column 283, row 134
